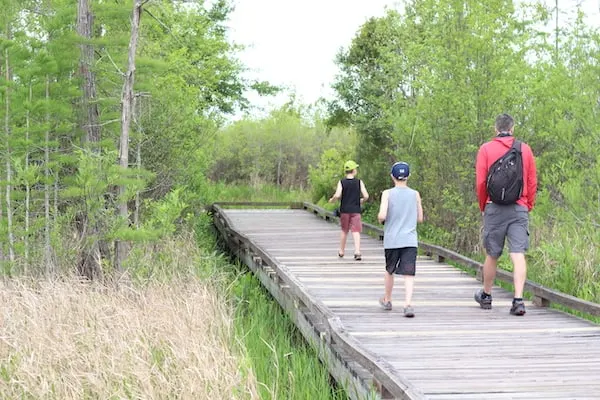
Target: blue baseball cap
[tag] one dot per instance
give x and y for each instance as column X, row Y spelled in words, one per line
column 400, row 170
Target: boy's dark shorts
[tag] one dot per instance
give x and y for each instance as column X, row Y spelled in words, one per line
column 510, row 222
column 401, row 261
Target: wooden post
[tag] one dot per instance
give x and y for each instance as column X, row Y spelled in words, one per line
column 384, row 393
column 541, row 301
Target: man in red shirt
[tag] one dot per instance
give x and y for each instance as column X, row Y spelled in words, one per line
column 502, row 222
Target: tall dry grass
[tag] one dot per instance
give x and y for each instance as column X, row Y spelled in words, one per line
column 68, row 340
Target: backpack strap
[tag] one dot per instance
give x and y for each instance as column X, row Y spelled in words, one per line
column 517, row 145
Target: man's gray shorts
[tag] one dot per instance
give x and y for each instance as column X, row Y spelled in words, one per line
column 500, row 222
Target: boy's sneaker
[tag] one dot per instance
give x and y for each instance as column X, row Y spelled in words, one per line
column 518, row 308
column 386, row 305
column 485, row 302
column 409, row 312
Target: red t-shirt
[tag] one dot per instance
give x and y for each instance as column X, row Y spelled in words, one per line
column 488, row 154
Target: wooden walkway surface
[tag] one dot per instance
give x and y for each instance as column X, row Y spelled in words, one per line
column 451, row 349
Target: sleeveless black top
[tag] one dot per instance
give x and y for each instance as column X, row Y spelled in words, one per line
column 350, row 202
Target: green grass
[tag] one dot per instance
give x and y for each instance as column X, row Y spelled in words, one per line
column 284, row 364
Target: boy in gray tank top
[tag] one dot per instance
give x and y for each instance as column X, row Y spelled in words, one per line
column 400, row 210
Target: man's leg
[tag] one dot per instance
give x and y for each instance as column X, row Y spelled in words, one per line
column 489, row 273
column 494, row 235
column 519, row 273
column 484, row 296
column 518, row 243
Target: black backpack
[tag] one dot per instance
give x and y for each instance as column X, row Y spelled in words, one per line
column 505, row 177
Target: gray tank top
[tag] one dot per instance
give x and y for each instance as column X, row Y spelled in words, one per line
column 400, row 229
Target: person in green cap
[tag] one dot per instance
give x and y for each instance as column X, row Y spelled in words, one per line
column 352, row 193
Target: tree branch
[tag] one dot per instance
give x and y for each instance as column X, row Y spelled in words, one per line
column 164, row 26
column 113, row 63
column 112, row 121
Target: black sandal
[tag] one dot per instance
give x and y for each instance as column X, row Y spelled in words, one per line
column 340, row 255
column 357, row 257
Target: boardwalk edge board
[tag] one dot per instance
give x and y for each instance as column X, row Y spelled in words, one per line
column 344, row 356
column 542, row 295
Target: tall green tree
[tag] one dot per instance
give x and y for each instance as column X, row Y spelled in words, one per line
column 63, row 65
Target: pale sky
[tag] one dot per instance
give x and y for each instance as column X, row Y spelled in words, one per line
column 293, row 43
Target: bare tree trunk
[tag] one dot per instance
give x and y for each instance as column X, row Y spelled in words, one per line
column 556, row 33
column 137, row 106
column 27, row 183
column 55, row 213
column 85, row 22
column 48, row 264
column 9, row 210
column 90, row 258
column 126, row 113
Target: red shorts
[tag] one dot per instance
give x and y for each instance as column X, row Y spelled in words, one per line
column 351, row 222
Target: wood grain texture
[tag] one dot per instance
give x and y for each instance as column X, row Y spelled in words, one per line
column 452, row 349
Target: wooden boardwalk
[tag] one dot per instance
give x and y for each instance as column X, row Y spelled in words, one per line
column 451, row 350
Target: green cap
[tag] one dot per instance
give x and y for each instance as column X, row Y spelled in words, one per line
column 350, row 165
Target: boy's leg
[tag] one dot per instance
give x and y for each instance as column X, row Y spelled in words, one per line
column 389, row 285
column 356, row 227
column 345, row 225
column 343, row 237
column 356, row 238
column 409, row 282
column 392, row 258
column 407, row 268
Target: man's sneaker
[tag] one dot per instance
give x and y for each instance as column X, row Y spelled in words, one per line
column 484, row 302
column 386, row 305
column 518, row 308
column 409, row 312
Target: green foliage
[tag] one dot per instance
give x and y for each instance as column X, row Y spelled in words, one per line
column 187, row 79
column 220, row 191
column 277, row 150
column 323, row 179
column 163, row 214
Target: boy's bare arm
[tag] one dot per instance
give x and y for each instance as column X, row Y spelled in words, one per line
column 383, row 207
column 419, row 208
column 363, row 192
column 338, row 193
